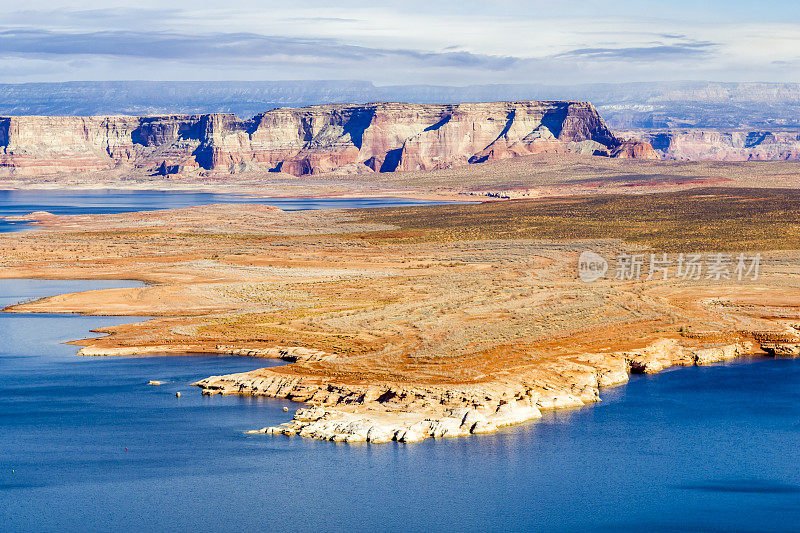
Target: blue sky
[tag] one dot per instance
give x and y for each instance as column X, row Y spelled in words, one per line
column 414, row 41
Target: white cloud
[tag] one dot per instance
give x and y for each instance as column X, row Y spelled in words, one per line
column 416, row 42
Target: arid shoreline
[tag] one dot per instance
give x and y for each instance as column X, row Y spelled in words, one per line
column 532, row 176
column 379, row 413
column 408, row 323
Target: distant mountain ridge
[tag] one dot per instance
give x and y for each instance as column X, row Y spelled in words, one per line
column 712, row 145
column 651, row 105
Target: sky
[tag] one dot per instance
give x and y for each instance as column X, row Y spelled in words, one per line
column 403, row 42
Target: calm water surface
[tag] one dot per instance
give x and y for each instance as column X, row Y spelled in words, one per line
column 79, row 202
column 695, row 449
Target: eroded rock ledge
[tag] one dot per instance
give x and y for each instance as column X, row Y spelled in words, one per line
column 287, row 353
column 383, row 412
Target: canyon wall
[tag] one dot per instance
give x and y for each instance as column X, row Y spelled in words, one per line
column 381, row 137
column 714, row 145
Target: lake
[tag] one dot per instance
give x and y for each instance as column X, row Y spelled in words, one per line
column 81, row 202
column 87, row 445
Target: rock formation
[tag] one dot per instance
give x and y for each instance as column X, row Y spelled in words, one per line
column 380, row 412
column 713, row 145
column 381, row 137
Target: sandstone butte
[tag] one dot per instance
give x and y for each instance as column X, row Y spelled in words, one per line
column 343, row 138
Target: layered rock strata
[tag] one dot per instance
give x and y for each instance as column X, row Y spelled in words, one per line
column 713, row 145
column 380, row 137
column 383, row 412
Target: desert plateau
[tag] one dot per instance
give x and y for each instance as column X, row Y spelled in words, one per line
column 432, row 321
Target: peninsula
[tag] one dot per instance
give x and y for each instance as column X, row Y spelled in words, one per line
column 415, row 322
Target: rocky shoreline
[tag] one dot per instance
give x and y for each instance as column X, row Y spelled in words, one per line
column 379, row 413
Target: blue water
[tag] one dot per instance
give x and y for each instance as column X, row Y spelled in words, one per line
column 695, row 449
column 80, row 202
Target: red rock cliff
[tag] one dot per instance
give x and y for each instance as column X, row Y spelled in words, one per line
column 716, row 145
column 381, row 137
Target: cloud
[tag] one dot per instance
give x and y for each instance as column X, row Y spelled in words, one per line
column 786, row 62
column 656, row 52
column 632, row 33
column 387, row 42
column 227, row 47
column 93, row 18
column 323, row 19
